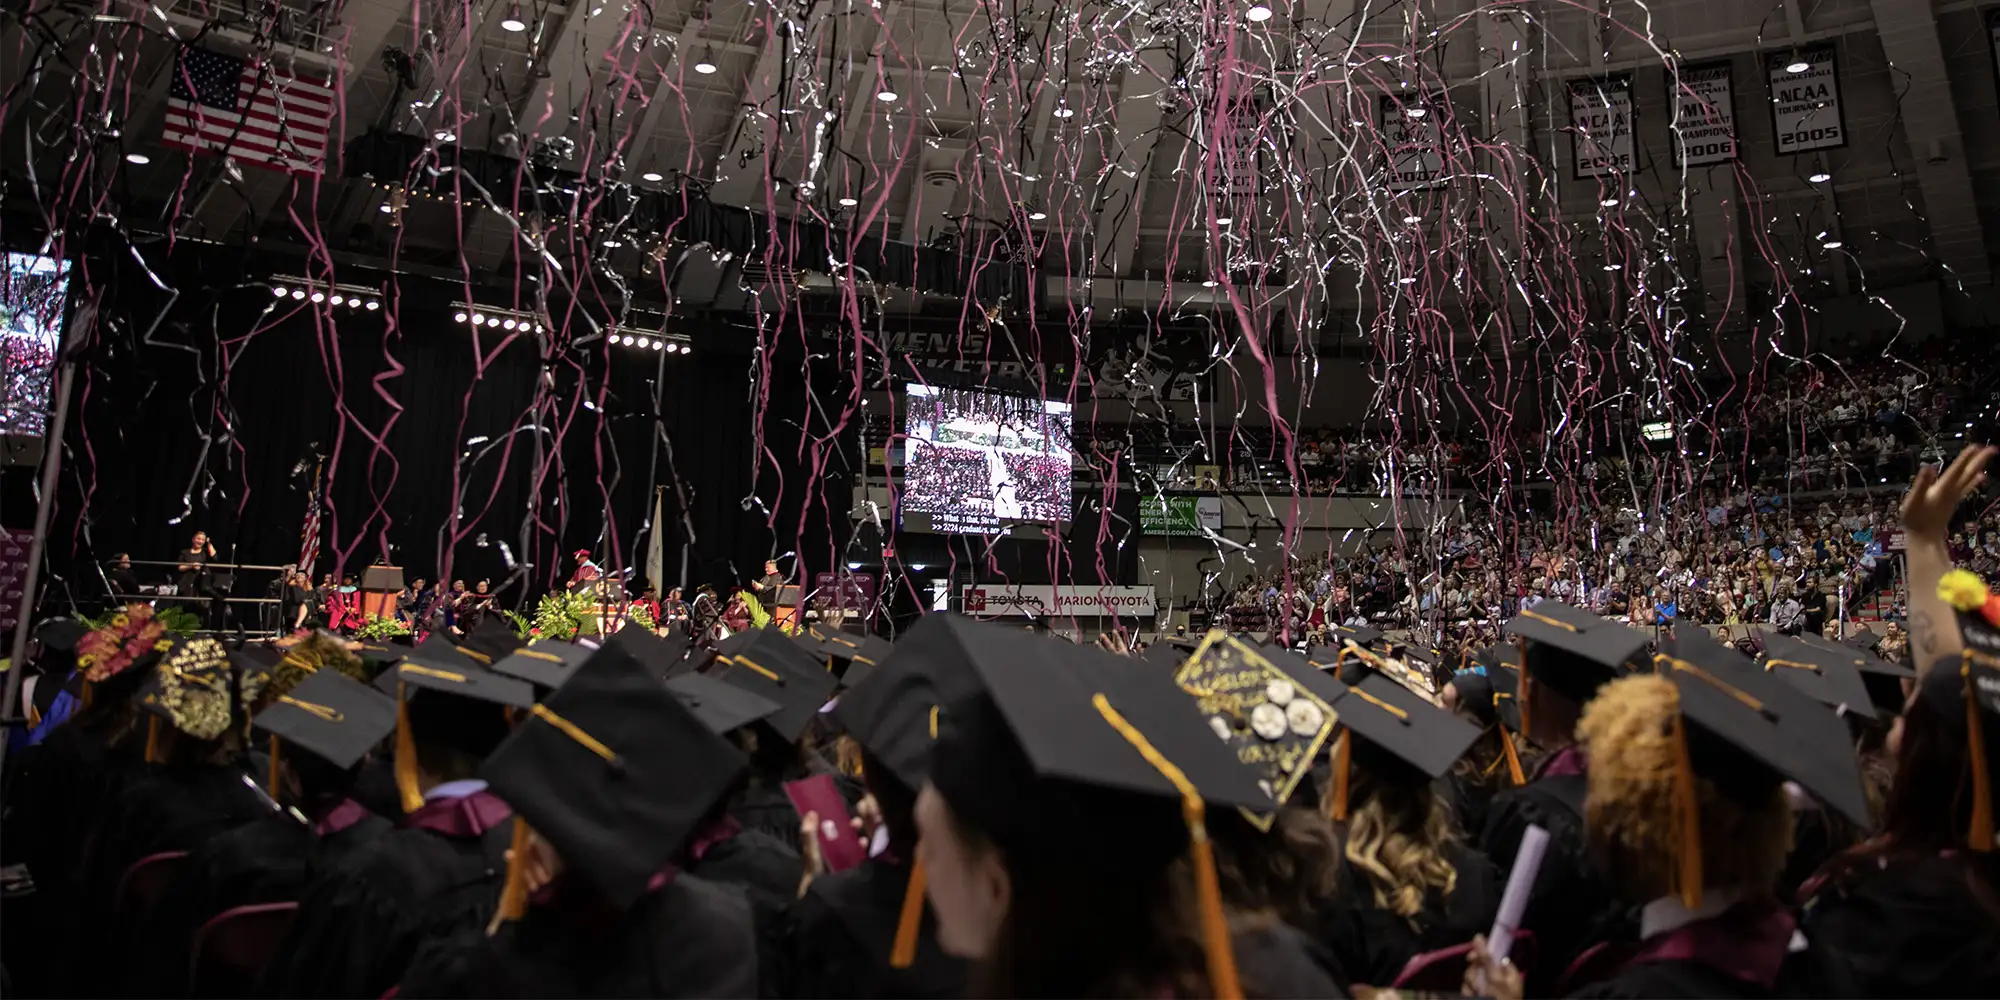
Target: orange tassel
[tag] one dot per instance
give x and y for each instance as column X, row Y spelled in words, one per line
column 407, row 784
column 1980, row 836
column 83, row 693
column 1689, row 815
column 153, row 748
column 1338, row 808
column 271, row 781
column 904, row 953
column 514, row 891
column 1513, row 757
column 1220, row 950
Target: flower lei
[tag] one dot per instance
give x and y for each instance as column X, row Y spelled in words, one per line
column 131, row 635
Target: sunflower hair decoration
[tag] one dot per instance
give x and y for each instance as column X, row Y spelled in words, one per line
column 132, row 635
column 1967, row 594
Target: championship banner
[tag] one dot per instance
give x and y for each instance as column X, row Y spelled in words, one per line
column 1179, row 516
column 1600, row 119
column 1704, row 129
column 1416, row 144
column 1805, row 102
column 1041, row 601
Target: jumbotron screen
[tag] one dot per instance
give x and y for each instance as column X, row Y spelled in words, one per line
column 977, row 461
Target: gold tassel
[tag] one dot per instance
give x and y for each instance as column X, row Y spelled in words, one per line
column 514, row 891
column 407, row 784
column 1688, row 813
column 1980, row 836
column 153, row 748
column 904, row 953
column 1513, row 757
column 83, row 693
column 1337, row 808
column 271, row 781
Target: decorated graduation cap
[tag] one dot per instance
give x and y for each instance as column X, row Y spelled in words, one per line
column 1829, row 672
column 770, row 664
column 546, row 665
column 615, row 772
column 1268, row 715
column 198, row 689
column 1572, row 651
column 1397, row 734
column 1741, row 730
column 1361, row 635
column 1069, row 738
column 328, row 715
column 445, row 699
column 1354, row 663
column 1969, row 688
column 720, row 705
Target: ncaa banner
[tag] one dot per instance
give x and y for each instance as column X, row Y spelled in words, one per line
column 1805, row 102
column 1600, row 120
column 1704, row 129
column 999, row 600
column 1416, row 145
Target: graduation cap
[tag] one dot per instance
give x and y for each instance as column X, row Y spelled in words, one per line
column 197, row 689
column 1302, row 671
column 720, row 705
column 459, row 705
column 613, row 771
column 544, row 664
column 1397, row 731
column 1747, row 733
column 1572, row 651
column 490, row 641
column 665, row 656
column 863, row 662
column 434, row 652
column 1972, row 681
column 1354, row 663
column 1360, row 635
column 1828, row 672
column 60, row 634
column 1074, row 757
column 1166, row 654
column 1270, row 718
column 333, row 717
column 770, row 664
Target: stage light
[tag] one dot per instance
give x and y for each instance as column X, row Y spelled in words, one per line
column 1210, row 283
column 140, row 159
column 1608, row 203
column 1820, row 178
column 444, row 135
column 319, row 296
column 507, row 324
column 385, row 208
column 1037, row 216
column 338, row 300
column 278, row 290
column 886, row 93
column 1797, row 66
column 478, row 319
column 374, row 304
column 652, row 175
column 848, row 203
column 706, row 64
column 298, row 293
column 1258, row 12
column 1832, row 245
column 1223, row 221
column 659, row 345
column 1064, row 111
column 458, row 317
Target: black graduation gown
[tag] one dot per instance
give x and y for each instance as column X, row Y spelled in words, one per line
column 1573, row 905
column 358, row 926
column 752, row 859
column 1278, row 960
column 269, row 860
column 1817, row 836
column 1372, row 944
column 837, row 939
column 768, row 810
column 688, row 937
column 1914, row 928
column 1745, row 952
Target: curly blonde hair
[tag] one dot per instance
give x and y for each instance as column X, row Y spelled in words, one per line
column 1398, row 836
column 1628, row 731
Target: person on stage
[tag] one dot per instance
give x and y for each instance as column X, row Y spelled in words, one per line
column 470, row 608
column 120, row 576
column 194, row 565
column 768, row 586
column 585, row 571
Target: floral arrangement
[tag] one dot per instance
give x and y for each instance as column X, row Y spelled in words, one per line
column 641, row 616
column 1967, row 594
column 129, row 636
column 565, row 615
column 521, row 625
column 378, row 627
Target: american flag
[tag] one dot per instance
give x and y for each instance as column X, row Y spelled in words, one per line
column 309, row 535
column 257, row 114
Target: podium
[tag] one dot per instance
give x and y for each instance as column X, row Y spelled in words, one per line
column 379, row 587
column 785, row 605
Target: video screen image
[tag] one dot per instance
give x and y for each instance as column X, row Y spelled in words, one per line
column 975, row 461
column 31, row 319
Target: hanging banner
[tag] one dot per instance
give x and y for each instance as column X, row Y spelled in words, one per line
column 1179, row 515
column 1600, row 119
column 1805, row 102
column 1416, row 146
column 1704, row 129
column 1236, row 150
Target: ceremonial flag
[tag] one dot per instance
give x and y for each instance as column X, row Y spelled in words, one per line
column 255, row 113
column 656, row 548
column 309, row 535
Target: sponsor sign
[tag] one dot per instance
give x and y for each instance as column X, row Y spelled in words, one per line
column 1164, row 515
column 1704, row 129
column 844, row 591
column 1416, row 145
column 1600, row 120
column 1041, row 601
column 1805, row 106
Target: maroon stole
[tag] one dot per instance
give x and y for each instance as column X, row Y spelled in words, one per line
column 464, row 818
column 1747, row 942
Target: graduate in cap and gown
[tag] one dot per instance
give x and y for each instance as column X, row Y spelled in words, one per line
column 865, row 931
column 1488, row 697
column 1063, row 834
column 440, row 870
column 768, row 663
column 612, row 776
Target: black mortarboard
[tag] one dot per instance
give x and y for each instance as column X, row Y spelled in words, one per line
column 1828, row 672
column 1361, row 635
column 1391, row 718
column 331, row 716
column 545, row 664
column 720, row 705
column 894, row 715
column 1506, row 682
column 443, row 703
column 1302, row 671
column 434, row 652
column 1748, row 732
column 60, row 634
column 865, row 661
column 772, row 665
column 1270, row 719
column 614, row 772
column 1863, row 656
column 1574, row 652
column 1165, row 654
column 490, row 642
column 1475, row 696
column 261, row 655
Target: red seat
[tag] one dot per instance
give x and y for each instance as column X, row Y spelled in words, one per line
column 1443, row 970
column 234, row 947
column 142, row 884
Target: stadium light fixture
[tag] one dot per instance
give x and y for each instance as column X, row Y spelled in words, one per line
column 513, row 22
column 1659, row 430
column 706, row 64
column 1258, row 13
column 1797, row 65
column 138, row 159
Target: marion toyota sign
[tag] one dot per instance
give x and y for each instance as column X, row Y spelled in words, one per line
column 1035, row 601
